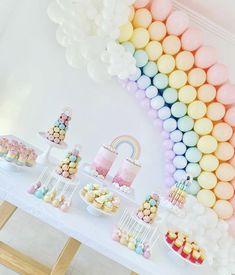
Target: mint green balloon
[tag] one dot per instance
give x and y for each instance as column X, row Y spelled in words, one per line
column 193, row 169
column 193, row 154
column 129, row 47
column 178, row 109
column 190, row 138
column 193, row 188
column 170, row 95
column 185, row 124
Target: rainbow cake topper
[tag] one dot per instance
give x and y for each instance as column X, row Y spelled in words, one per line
column 131, row 141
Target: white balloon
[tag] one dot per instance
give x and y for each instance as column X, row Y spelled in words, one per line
column 74, row 57
column 97, row 71
column 55, row 13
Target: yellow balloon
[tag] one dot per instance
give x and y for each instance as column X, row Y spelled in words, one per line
column 187, row 94
column 207, row 144
column 225, row 172
column 197, row 109
column 206, row 93
column 131, row 13
column 177, row 79
column 206, row 197
column 142, row 18
column 157, row 30
column 196, row 77
column 140, row 38
column 207, row 180
column 184, row 60
column 203, row 126
column 209, row 163
column 224, row 151
column 154, row 50
column 126, row 32
column 166, row 64
column 171, row 44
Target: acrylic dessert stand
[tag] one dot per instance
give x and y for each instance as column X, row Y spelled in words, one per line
column 44, row 158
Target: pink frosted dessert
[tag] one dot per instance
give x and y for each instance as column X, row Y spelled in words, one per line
column 127, row 172
column 104, row 160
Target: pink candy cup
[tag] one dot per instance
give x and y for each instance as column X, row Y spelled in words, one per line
column 160, row 9
column 226, row 94
column 205, row 57
column 191, row 39
column 141, row 3
column 177, row 22
column 217, row 74
column 230, row 116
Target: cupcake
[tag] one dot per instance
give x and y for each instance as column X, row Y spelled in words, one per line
column 170, row 237
column 201, row 257
column 186, row 250
column 22, row 159
column 194, row 257
column 177, row 244
column 12, row 154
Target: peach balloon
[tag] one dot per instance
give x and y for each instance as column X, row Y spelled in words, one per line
column 232, row 140
column 206, row 197
column 217, row 74
column 230, row 116
column 171, row 44
column 142, row 18
column 141, row 3
column 224, row 190
column 225, row 172
column 231, row 223
column 157, row 31
column 215, row 111
column 222, row 131
column 160, row 9
column 223, row 209
column 184, row 60
column 206, row 93
column 224, row 151
column 233, row 183
column 177, row 22
column 205, row 57
column 232, row 161
column 192, row 39
column 226, row 94
column 196, row 77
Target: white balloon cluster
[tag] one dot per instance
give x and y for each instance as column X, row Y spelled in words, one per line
column 89, row 30
column 203, row 226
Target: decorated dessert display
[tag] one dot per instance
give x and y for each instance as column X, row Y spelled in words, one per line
column 100, row 198
column 57, row 133
column 148, row 209
column 16, row 152
column 136, row 235
column 185, row 247
column 69, row 166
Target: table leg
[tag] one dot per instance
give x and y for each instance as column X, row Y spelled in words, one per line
column 65, row 257
column 6, row 211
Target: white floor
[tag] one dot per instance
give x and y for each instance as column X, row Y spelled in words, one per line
column 44, row 243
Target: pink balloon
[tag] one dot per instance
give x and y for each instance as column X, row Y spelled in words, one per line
column 177, row 22
column 233, row 183
column 231, row 223
column 160, row 9
column 232, row 201
column 217, row 74
column 232, row 140
column 141, row 3
column 226, row 94
column 192, row 39
column 205, row 57
column 230, row 116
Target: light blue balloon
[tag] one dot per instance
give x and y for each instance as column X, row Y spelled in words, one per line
column 157, row 102
column 180, row 162
column 178, row 109
column 129, row 47
column 179, row 174
column 136, row 75
column 164, row 113
column 193, row 169
column 193, row 188
column 141, row 58
column 190, row 138
column 150, row 69
column 193, row 154
column 143, row 82
column 160, row 81
column 185, row 124
column 170, row 95
column 151, row 91
column 179, row 148
column 169, row 124
column 176, row 136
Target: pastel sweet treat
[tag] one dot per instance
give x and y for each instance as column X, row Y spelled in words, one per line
column 186, row 251
column 57, row 133
column 194, row 257
column 177, row 244
column 171, row 237
column 127, row 172
column 104, row 160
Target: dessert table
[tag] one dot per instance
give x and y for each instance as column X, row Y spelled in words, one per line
column 81, row 227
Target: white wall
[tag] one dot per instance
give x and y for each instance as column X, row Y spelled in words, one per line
column 36, row 83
